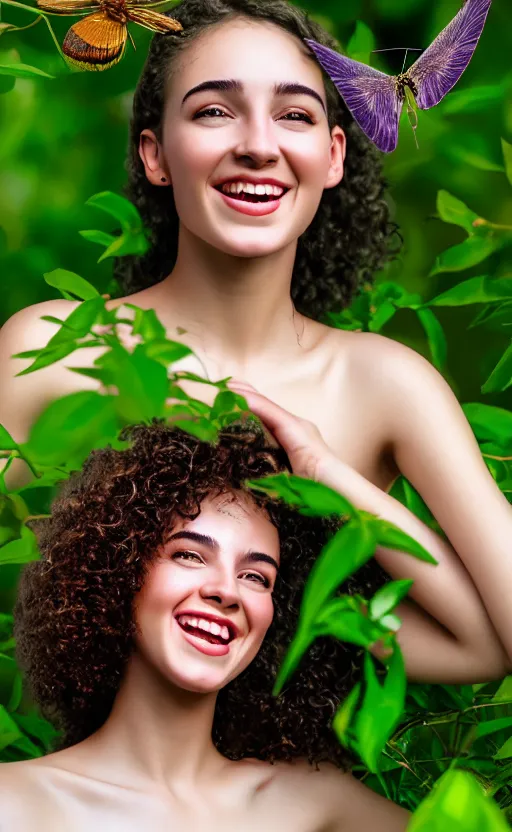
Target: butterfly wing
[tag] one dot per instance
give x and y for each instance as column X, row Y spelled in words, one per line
column 439, row 68
column 152, row 20
column 67, row 6
column 97, row 42
column 370, row 95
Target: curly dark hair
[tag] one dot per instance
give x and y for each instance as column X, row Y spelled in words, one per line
column 350, row 237
column 74, row 623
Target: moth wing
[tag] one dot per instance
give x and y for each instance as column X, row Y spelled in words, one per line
column 67, row 6
column 439, row 68
column 97, row 42
column 370, row 95
column 155, row 21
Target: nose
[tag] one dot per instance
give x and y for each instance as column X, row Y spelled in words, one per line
column 221, row 589
column 258, row 144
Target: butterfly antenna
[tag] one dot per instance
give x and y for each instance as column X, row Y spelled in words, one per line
column 405, row 59
column 131, row 41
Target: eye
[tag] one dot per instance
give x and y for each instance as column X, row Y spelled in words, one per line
column 303, row 117
column 202, row 113
column 255, row 577
column 186, row 555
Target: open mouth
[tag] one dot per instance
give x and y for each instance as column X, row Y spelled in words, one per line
column 208, row 630
column 246, row 197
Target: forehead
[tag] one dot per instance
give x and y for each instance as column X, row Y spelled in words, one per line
column 236, row 523
column 259, row 53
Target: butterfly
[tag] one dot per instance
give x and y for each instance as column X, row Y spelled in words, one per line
column 376, row 99
column 98, row 41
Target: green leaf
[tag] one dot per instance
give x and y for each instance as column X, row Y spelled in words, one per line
column 166, row 352
column 7, row 443
column 495, row 317
column 489, row 422
column 504, row 692
column 71, row 283
column 131, row 242
column 345, row 715
column 81, row 421
column 475, row 290
column 491, row 726
column 501, row 376
column 387, row 597
column 346, row 624
column 141, row 382
column 351, row 547
column 117, row 206
column 22, row 550
column 13, row 513
column 23, row 71
column 453, row 210
column 390, row 536
column 435, row 337
column 147, row 325
column 311, row 498
column 505, row 750
column 99, row 237
column 380, row 710
column 403, row 491
column 361, row 44
column 457, row 802
column 48, row 356
column 507, row 157
column 466, row 254
column 200, row 428
column 383, row 313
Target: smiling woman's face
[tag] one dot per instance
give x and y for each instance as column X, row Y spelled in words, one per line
column 270, row 125
column 206, row 603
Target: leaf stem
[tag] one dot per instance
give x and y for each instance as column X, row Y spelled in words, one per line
column 43, row 15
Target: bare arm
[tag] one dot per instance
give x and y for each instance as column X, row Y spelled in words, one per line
column 437, row 452
column 447, row 635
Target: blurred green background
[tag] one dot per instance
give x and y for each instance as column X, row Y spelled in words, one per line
column 63, row 140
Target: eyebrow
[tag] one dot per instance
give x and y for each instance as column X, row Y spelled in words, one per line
column 232, row 85
column 206, row 540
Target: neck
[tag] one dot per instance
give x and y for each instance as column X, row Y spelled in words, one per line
column 156, row 731
column 234, row 308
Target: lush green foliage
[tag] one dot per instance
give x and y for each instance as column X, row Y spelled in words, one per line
column 57, row 149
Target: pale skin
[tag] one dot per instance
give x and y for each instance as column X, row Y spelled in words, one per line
column 379, row 407
column 153, row 762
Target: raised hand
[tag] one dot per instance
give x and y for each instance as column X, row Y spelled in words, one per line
column 300, row 438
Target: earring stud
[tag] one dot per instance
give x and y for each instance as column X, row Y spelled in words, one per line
column 163, row 179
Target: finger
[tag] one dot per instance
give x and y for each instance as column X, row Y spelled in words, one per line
column 276, row 418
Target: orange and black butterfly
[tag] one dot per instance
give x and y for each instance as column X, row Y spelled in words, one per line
column 99, row 40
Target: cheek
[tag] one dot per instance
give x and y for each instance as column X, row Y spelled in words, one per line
column 164, row 588
column 260, row 613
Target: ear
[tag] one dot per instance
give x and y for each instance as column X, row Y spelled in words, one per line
column 338, row 150
column 150, row 151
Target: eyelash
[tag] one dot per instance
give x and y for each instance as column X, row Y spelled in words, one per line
column 305, row 117
column 186, row 555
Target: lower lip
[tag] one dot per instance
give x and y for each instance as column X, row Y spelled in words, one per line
column 253, row 209
column 205, row 646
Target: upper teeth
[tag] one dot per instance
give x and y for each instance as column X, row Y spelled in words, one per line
column 206, row 625
column 249, row 188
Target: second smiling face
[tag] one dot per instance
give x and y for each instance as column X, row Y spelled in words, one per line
column 206, row 603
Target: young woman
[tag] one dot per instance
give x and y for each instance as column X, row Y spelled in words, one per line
column 238, row 103
column 151, row 631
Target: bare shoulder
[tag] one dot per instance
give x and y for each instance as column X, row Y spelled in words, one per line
column 342, row 803
column 26, row 329
column 19, row 794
